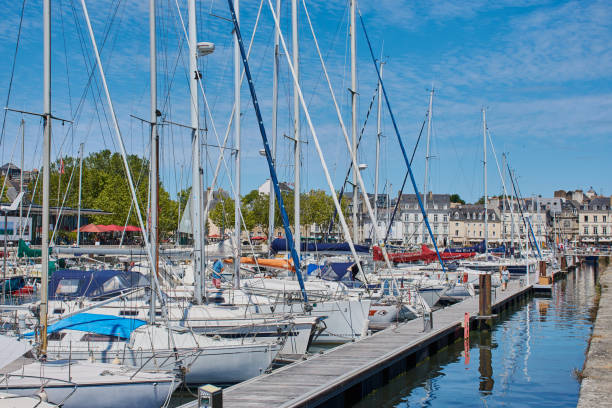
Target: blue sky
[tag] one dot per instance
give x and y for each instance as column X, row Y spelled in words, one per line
column 541, row 68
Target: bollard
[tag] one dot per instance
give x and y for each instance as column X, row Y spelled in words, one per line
column 427, row 321
column 210, row 396
column 466, row 326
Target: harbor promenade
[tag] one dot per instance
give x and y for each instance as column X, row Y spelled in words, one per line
column 344, row 375
column 596, row 387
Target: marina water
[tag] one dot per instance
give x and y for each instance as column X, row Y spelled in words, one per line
column 530, row 357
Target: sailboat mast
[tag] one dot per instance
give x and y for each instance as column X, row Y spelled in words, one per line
column 196, row 189
column 154, row 186
column 21, row 174
column 275, row 70
column 427, row 155
column 295, row 47
column 44, row 274
column 80, row 195
column 378, row 135
column 354, row 113
column 237, row 225
column 484, row 164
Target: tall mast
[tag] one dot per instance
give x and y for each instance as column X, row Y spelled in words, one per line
column 484, row 165
column 44, row 275
column 296, row 125
column 237, row 225
column 511, row 204
column 21, row 174
column 271, row 195
column 354, row 114
column 503, row 177
column 154, row 186
column 378, row 135
column 80, row 189
column 427, row 155
column 196, row 189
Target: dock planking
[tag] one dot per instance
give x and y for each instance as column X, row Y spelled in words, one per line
column 348, row 372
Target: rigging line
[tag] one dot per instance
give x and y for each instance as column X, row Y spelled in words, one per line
column 348, row 173
column 10, row 87
column 353, row 154
column 401, row 143
column 208, row 110
column 401, row 190
column 61, row 208
column 214, row 128
column 61, row 13
column 9, row 168
column 279, row 197
column 525, row 219
column 91, row 67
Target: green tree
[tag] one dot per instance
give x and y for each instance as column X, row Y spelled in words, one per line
column 455, row 198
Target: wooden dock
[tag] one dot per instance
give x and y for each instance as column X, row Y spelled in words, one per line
column 344, row 375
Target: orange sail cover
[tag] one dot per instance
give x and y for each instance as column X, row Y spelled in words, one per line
column 269, row 262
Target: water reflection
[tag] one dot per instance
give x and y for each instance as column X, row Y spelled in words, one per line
column 526, row 360
column 485, row 368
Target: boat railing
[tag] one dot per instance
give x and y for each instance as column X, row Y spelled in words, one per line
column 4, row 382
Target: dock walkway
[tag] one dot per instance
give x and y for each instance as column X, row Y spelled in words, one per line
column 596, row 387
column 345, row 374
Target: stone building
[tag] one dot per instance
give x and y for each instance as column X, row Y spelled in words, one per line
column 467, row 225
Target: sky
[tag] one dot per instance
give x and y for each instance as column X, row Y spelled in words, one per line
column 541, row 69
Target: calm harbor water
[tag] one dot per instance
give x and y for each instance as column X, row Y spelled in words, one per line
column 528, row 359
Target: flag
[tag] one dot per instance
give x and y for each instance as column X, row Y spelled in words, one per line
column 61, row 166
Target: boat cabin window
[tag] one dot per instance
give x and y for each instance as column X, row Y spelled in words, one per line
column 58, row 311
column 67, row 287
column 100, row 337
column 128, row 313
column 56, row 336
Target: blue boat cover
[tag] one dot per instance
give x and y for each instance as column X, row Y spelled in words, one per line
column 280, row 244
column 71, row 284
column 480, row 248
column 98, row 324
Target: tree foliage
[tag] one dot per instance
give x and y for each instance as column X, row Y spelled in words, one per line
column 455, row 198
column 316, row 207
column 105, row 187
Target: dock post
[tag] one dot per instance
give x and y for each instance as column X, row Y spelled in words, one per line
column 563, row 263
column 484, row 298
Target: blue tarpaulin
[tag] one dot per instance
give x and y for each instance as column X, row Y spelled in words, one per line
column 98, row 324
column 280, row 244
column 480, row 248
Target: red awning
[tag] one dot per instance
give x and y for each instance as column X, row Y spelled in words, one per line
column 131, row 228
column 92, row 228
column 259, row 238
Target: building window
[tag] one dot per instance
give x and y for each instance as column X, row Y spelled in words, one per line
column 445, row 218
column 586, row 230
column 435, row 217
column 605, row 219
column 604, row 231
column 480, row 233
column 586, row 218
column 594, row 218
column 456, row 233
column 595, row 230
column 456, row 224
column 566, row 224
column 493, row 233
